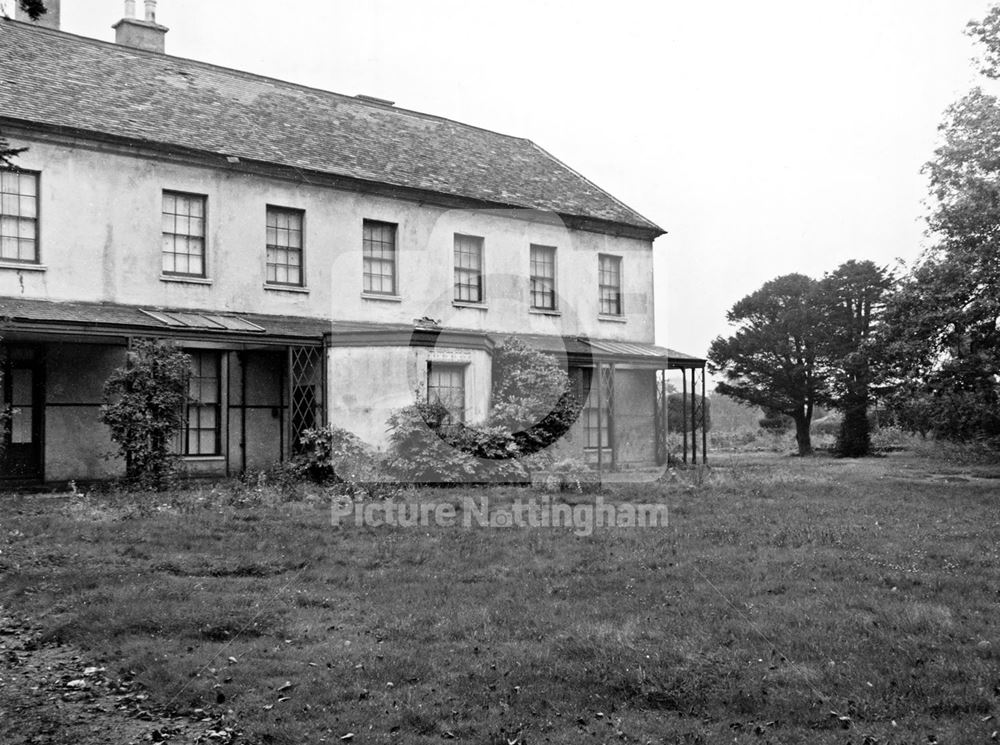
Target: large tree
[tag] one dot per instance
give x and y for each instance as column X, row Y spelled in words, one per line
column 773, row 360
column 851, row 301
column 942, row 334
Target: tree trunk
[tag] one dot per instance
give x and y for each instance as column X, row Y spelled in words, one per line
column 802, row 434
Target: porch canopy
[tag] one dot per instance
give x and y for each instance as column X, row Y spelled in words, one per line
column 26, row 317
column 604, row 355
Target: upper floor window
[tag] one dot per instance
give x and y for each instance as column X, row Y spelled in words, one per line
column 183, row 234
column 468, row 268
column 610, row 284
column 202, row 421
column 379, row 250
column 19, row 216
column 284, row 246
column 543, row 277
column 446, row 386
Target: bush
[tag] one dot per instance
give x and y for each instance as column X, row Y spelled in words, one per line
column 334, row 456
column 679, row 412
column 571, row 475
column 533, row 407
column 143, row 407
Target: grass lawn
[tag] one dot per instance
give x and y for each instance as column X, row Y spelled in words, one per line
column 788, row 601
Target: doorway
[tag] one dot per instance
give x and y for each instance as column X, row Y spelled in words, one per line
column 23, row 407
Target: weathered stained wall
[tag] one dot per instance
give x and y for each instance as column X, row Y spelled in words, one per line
column 635, row 435
column 77, row 445
column 100, row 240
column 367, row 384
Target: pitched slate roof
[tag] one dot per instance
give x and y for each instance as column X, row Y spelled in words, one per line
column 58, row 79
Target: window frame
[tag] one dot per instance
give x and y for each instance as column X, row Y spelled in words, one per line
column 366, row 224
column 618, row 296
column 479, row 242
column 533, row 277
column 456, row 367
column 300, row 214
column 196, row 404
column 203, row 198
column 36, row 220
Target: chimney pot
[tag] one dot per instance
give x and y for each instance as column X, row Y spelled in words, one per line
column 141, row 34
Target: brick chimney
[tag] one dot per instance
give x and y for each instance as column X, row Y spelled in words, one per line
column 141, row 34
column 49, row 19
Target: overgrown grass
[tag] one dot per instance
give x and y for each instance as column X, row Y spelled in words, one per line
column 789, row 601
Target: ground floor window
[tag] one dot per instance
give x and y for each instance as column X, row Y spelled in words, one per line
column 446, row 386
column 202, row 421
column 597, row 407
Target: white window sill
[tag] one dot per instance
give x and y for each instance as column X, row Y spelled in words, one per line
column 612, row 319
column 17, row 266
column 385, row 298
column 287, row 288
column 185, row 280
column 544, row 312
column 465, row 304
column 202, row 458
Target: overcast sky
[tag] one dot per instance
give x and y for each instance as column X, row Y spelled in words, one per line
column 766, row 137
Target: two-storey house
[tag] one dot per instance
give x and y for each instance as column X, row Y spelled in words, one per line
column 322, row 257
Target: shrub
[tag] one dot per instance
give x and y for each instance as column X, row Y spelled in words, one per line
column 571, row 475
column 143, row 407
column 335, row 456
column 326, row 453
column 533, row 407
column 420, row 451
column 679, row 412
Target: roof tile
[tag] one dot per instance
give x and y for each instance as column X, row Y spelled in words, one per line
column 58, row 79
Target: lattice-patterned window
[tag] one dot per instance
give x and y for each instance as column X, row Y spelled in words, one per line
column 446, row 386
column 543, row 277
column 468, row 268
column 183, row 234
column 307, row 391
column 610, row 284
column 203, row 423
column 597, row 408
column 379, row 250
column 284, row 246
column 19, row 216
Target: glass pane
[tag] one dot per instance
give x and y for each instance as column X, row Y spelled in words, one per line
column 20, row 380
column 20, row 425
column 207, row 418
column 206, row 442
column 28, row 207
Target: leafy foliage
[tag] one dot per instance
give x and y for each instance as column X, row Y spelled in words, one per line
column 853, row 298
column 942, row 342
column 679, row 412
column 533, row 401
column 773, row 359
column 34, row 8
column 533, row 406
column 332, row 455
column 143, row 407
column 8, row 153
